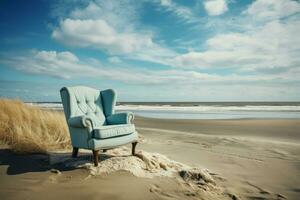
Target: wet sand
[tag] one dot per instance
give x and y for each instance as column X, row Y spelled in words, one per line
column 253, row 159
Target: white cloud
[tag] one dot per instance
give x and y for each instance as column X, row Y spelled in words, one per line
column 121, row 14
column 51, row 63
column 215, row 7
column 111, row 27
column 180, row 11
column 269, row 47
column 68, row 66
column 114, row 60
column 97, row 25
column 272, row 9
column 100, row 35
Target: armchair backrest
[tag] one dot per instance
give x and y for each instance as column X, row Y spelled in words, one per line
column 81, row 100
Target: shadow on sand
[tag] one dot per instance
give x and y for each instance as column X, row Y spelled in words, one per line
column 23, row 163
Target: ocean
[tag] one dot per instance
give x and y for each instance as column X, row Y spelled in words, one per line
column 202, row 110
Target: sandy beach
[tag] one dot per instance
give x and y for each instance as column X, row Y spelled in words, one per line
column 248, row 159
column 149, row 100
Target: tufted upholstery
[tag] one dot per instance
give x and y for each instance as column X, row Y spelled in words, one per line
column 85, row 101
column 103, row 132
column 90, row 116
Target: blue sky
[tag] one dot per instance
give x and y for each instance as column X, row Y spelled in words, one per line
column 159, row 50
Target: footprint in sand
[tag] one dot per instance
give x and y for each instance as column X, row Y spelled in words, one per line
column 261, row 193
column 54, row 176
column 205, row 145
column 160, row 193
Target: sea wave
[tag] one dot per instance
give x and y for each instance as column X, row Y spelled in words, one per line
column 204, row 108
column 195, row 108
column 51, row 106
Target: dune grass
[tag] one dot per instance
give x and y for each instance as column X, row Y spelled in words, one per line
column 28, row 129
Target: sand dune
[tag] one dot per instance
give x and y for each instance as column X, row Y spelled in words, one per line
column 28, row 129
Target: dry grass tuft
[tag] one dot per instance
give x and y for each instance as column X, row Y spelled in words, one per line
column 28, row 129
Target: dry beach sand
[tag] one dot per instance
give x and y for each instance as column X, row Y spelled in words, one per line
column 177, row 159
column 258, row 158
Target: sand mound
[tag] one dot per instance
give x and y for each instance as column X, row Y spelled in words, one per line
column 144, row 164
column 148, row 165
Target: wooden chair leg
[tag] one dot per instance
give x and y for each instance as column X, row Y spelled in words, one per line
column 75, row 152
column 96, row 157
column 133, row 148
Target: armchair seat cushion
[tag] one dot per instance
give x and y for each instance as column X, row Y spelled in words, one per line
column 109, row 131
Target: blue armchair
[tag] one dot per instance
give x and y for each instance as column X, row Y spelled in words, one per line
column 92, row 122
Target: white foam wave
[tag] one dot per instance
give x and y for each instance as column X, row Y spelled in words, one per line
column 199, row 108
column 51, row 106
column 203, row 108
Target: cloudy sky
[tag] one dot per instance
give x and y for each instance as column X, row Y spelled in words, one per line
column 152, row 50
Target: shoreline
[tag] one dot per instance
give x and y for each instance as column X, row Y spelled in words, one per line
column 265, row 128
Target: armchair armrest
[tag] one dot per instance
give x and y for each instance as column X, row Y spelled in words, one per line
column 120, row 118
column 82, row 122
